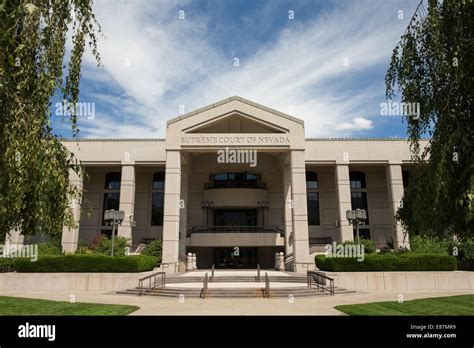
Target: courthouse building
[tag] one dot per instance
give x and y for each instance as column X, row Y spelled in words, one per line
column 236, row 174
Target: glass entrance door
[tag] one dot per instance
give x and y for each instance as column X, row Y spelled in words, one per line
column 235, row 258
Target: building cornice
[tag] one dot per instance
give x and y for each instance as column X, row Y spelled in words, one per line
column 243, row 100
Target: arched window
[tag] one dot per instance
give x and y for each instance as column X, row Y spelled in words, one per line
column 311, row 180
column 357, row 180
column 112, row 180
column 157, row 199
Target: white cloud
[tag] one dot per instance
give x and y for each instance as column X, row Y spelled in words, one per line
column 172, row 63
column 358, row 123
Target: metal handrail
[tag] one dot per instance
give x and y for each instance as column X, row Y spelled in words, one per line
column 235, row 229
column 320, row 281
column 212, row 274
column 258, row 273
column 182, row 257
column 267, row 286
column 204, row 286
column 149, row 277
column 289, row 258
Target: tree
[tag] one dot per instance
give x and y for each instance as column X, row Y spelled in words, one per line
column 35, row 66
column 433, row 65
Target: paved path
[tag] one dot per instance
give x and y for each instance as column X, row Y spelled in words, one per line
column 323, row 305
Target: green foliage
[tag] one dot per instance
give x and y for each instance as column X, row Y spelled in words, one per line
column 388, row 262
column 463, row 249
column 35, row 67
column 155, row 249
column 465, row 253
column 6, row 265
column 432, row 65
column 15, row 306
column 429, row 244
column 78, row 263
column 438, row 306
column 105, row 246
column 49, row 249
column 369, row 246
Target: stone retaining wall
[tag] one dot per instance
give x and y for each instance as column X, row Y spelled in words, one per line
column 380, row 281
column 69, row 281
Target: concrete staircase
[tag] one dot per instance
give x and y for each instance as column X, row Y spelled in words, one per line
column 235, row 285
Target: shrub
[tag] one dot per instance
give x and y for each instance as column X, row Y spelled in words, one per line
column 77, row 263
column 105, row 246
column 428, row 244
column 96, row 241
column 49, row 248
column 465, row 253
column 369, row 246
column 155, row 249
column 388, row 262
column 6, row 264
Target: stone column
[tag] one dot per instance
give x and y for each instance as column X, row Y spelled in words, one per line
column 171, row 210
column 288, row 208
column 127, row 199
column 395, row 194
column 343, row 188
column 70, row 236
column 300, row 212
column 183, row 223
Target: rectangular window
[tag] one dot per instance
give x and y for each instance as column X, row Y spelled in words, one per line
column 157, row 200
column 111, row 201
column 313, row 208
column 359, row 201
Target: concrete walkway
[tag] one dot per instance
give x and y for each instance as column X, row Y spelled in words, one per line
column 322, row 305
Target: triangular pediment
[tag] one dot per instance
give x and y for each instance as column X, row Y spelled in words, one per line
column 235, row 122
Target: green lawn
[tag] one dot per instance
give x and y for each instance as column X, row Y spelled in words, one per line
column 27, row 306
column 452, row 305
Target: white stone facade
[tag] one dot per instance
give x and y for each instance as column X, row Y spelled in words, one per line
column 212, row 215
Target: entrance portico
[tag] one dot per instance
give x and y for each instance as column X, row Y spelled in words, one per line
column 242, row 204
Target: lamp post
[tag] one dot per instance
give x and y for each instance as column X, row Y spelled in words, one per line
column 114, row 218
column 356, row 217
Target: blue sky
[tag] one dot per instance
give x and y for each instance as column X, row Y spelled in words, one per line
column 326, row 65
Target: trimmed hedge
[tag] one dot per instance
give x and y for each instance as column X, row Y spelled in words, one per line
column 78, row 263
column 6, row 264
column 388, row 262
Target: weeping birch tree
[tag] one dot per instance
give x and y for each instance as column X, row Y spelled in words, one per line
column 42, row 45
column 433, row 65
